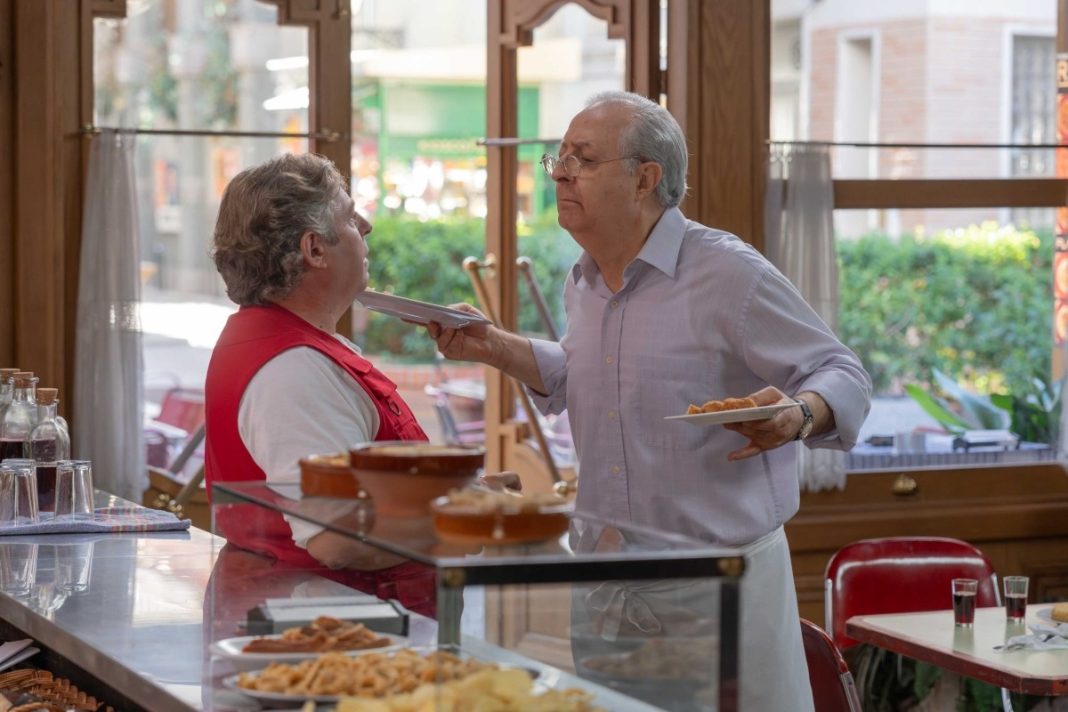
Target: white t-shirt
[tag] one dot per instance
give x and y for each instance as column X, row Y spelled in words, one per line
column 302, row 403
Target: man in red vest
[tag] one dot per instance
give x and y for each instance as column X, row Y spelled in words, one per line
column 282, row 383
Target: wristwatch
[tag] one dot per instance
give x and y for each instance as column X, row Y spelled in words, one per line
column 806, row 425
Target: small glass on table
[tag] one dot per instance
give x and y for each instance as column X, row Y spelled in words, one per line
column 1015, row 598
column 964, row 591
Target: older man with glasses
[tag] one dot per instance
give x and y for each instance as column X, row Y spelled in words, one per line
column 663, row 312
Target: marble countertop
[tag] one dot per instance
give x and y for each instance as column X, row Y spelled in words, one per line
column 128, row 609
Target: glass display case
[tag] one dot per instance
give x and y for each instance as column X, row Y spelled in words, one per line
column 622, row 617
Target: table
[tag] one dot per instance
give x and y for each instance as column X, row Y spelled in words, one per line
column 931, row 637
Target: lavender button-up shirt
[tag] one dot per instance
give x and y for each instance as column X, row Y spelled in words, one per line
column 701, row 315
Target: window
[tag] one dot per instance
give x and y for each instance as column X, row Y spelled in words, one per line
column 913, row 81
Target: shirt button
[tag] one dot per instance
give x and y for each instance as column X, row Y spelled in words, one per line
column 615, row 303
column 611, row 415
column 609, row 360
column 616, row 469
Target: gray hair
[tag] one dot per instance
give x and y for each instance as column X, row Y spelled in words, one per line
column 262, row 216
column 652, row 135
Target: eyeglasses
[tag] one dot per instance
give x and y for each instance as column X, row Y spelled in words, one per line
column 571, row 164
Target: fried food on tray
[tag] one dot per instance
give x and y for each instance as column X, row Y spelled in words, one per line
column 1060, row 612
column 367, row 675
column 324, row 634
column 491, row 690
column 715, row 406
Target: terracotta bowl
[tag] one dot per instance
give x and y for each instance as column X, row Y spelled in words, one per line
column 460, row 523
column 328, row 476
column 403, row 478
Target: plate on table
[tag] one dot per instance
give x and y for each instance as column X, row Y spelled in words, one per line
column 292, row 699
column 738, row 415
column 1046, row 614
column 231, row 649
column 296, row 698
column 417, row 311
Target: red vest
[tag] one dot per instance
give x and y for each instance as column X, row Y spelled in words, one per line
column 251, row 338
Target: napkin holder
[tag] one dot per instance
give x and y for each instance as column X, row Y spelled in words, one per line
column 276, row 615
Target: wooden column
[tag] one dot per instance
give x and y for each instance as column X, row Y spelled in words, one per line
column 7, row 179
column 718, row 88
column 48, row 106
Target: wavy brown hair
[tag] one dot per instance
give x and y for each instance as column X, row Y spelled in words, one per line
column 263, row 213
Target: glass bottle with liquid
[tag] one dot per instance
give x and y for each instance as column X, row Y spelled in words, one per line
column 47, row 444
column 20, row 416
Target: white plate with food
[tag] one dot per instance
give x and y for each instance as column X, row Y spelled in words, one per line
column 739, row 415
column 417, row 311
column 1046, row 614
column 331, row 676
column 233, row 649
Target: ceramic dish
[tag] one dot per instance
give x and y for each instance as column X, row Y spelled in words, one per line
column 500, row 527
column 231, row 649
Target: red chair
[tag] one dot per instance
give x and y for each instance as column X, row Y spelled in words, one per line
column 181, row 414
column 183, row 408
column 900, row 575
column 832, row 683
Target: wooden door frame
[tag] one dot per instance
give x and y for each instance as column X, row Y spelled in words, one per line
column 511, row 25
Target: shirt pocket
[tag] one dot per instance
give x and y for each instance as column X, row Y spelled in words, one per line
column 665, row 386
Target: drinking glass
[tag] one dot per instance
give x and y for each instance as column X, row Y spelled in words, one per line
column 964, row 591
column 1015, row 597
column 74, row 489
column 18, row 492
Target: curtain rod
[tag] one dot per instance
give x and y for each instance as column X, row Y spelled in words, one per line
column 514, row 141
column 861, row 144
column 326, row 135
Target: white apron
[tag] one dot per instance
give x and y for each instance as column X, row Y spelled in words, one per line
column 677, row 623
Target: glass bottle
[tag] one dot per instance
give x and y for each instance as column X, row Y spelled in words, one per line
column 46, row 444
column 20, row 416
column 7, row 389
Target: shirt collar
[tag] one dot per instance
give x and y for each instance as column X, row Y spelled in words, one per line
column 660, row 251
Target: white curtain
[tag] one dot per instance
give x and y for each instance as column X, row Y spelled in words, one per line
column 108, row 360
column 798, row 219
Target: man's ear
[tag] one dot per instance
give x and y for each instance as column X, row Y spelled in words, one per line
column 649, row 175
column 312, row 247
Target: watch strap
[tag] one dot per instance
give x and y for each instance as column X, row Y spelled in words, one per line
column 806, row 425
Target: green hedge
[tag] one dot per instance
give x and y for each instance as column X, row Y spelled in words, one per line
column 424, row 260
column 975, row 303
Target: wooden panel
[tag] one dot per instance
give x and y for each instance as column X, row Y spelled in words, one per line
column 7, row 181
column 42, row 54
column 1018, row 516
column 727, row 84
column 938, row 193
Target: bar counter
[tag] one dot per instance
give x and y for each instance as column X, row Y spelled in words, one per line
column 124, row 609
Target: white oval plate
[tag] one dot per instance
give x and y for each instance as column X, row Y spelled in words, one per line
column 417, row 311
column 738, row 415
column 230, row 648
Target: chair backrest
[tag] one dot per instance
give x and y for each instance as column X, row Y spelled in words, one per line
column 833, row 689
column 183, row 408
column 900, row 575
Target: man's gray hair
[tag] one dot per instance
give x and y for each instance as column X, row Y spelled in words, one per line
column 652, row 135
column 263, row 213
